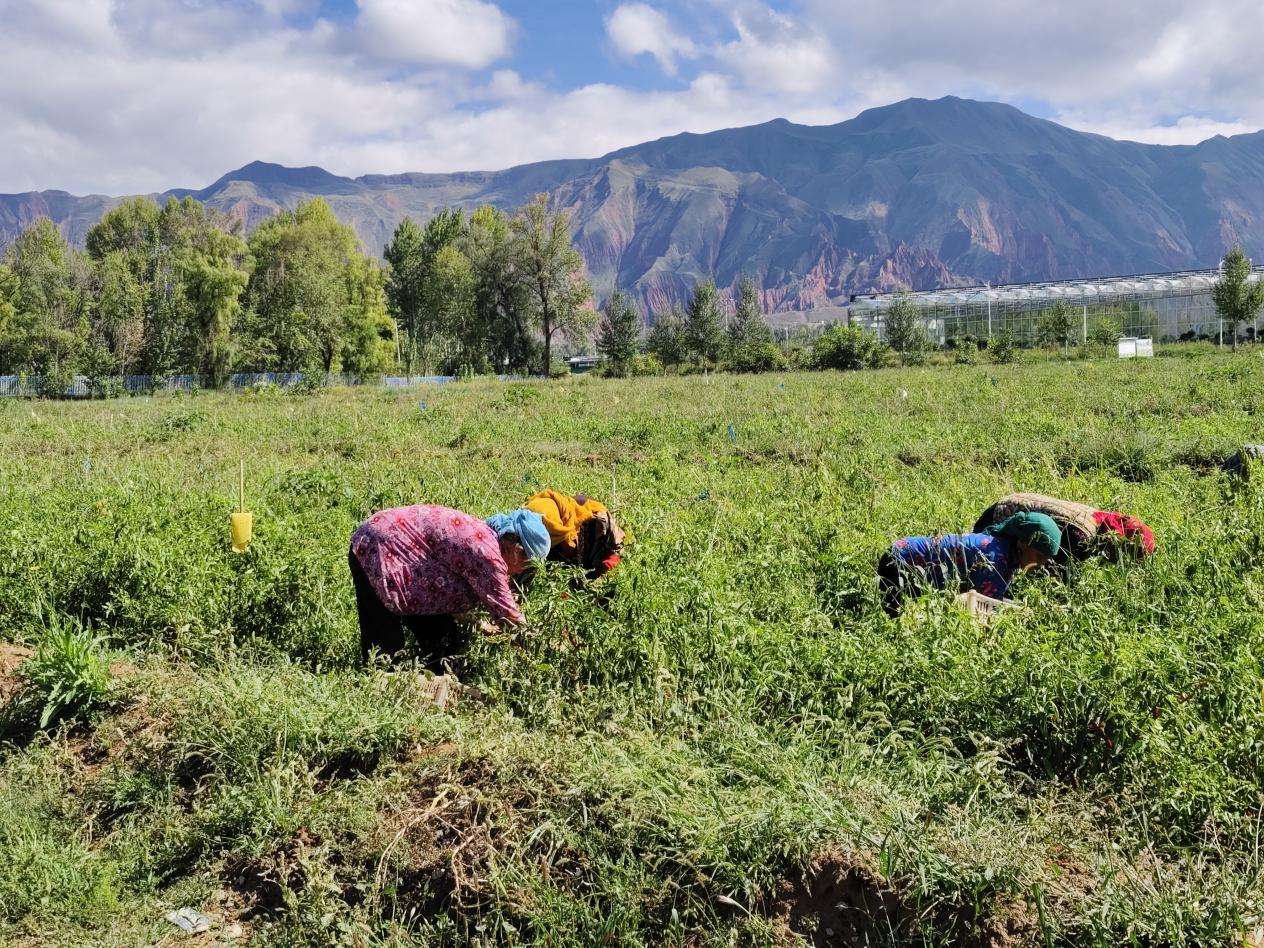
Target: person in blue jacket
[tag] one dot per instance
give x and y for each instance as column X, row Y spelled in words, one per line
column 986, row 562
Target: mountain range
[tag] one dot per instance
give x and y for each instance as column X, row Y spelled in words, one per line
column 920, row 193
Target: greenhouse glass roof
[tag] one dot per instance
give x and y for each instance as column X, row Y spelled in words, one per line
column 1153, row 284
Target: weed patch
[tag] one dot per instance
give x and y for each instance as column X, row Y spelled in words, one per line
column 723, row 741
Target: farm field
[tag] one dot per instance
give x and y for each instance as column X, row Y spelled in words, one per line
column 724, row 742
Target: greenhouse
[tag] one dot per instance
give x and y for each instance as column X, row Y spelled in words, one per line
column 1166, row 307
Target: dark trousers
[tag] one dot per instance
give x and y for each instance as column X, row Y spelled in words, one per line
column 891, row 583
column 438, row 637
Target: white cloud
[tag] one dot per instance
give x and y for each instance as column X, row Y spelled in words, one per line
column 139, row 113
column 542, row 124
column 636, row 28
column 133, row 117
column 163, row 93
column 469, row 33
column 1146, row 67
column 1187, row 130
column 506, row 85
column 775, row 52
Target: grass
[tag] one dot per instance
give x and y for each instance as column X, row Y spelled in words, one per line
column 726, row 742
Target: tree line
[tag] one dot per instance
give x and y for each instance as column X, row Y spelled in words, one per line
column 178, row 289
column 699, row 334
column 490, row 292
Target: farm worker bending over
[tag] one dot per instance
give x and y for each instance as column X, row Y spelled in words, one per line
column 1240, row 462
column 421, row 566
column 1086, row 531
column 985, row 562
column 581, row 530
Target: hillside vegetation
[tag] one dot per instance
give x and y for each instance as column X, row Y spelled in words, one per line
column 917, row 193
column 723, row 742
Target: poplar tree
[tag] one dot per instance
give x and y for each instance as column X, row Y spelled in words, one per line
column 703, row 330
column 1238, row 298
column 748, row 326
column 618, row 334
column 553, row 271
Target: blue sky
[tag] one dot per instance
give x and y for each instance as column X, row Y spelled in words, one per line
column 167, row 93
column 564, row 42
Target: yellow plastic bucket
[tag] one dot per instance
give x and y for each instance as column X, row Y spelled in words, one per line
column 243, row 524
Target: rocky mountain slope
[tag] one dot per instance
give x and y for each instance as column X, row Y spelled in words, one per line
column 920, row 193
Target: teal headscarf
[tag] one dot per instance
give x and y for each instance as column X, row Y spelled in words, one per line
column 1036, row 529
column 528, row 527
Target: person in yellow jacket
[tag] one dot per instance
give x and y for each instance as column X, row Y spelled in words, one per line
column 583, row 532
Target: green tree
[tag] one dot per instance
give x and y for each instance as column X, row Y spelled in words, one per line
column 1056, row 326
column 118, row 322
column 1238, row 298
column 368, row 345
column 748, row 325
column 132, row 229
column 451, row 291
column 214, row 278
column 750, row 341
column 446, row 322
column 298, row 292
column 174, row 339
column 703, row 328
column 8, row 293
column 554, row 272
column 157, row 247
column 502, row 297
column 50, row 297
column 904, row 331
column 445, row 228
column 618, row 334
column 666, row 338
column 405, row 287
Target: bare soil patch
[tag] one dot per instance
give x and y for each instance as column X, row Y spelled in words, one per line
column 839, row 900
column 11, row 659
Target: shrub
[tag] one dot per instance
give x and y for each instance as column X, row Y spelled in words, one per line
column 613, row 370
column 756, row 357
column 55, row 382
column 965, row 341
column 311, row 381
column 798, row 356
column 1105, row 332
column 646, row 364
column 848, row 347
column 1002, row 348
column 914, row 356
column 966, row 355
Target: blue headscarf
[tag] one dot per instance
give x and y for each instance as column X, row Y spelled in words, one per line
column 528, row 527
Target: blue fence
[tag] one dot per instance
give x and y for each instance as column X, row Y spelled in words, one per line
column 26, row 386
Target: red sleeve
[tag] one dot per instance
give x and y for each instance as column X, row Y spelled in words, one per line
column 491, row 584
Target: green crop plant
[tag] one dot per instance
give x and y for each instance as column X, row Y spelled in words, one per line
column 685, row 752
column 67, row 677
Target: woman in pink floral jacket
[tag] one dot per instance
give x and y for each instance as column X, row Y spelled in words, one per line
column 423, row 565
